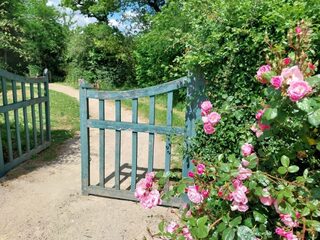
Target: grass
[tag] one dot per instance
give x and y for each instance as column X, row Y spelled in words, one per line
column 64, row 123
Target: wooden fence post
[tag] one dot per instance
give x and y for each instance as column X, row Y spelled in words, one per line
column 84, row 137
column 195, row 95
column 47, row 105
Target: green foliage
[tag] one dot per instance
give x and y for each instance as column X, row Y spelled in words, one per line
column 100, row 55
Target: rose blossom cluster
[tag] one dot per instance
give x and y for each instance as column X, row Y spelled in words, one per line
column 196, row 195
column 147, row 196
column 259, row 128
column 210, row 119
column 291, row 79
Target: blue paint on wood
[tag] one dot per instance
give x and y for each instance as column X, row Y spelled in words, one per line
column 47, row 106
column 33, row 117
column 40, row 115
column 134, row 145
column 16, row 118
column 15, row 106
column 151, row 135
column 25, row 117
column 118, row 146
column 102, row 147
column 168, row 137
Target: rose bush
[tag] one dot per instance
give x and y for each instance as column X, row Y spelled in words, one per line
column 251, row 194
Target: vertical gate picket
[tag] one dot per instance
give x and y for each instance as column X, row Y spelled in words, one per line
column 102, row 143
column 33, row 117
column 25, row 117
column 134, row 145
column 16, row 118
column 85, row 139
column 168, row 137
column 118, row 146
column 47, row 105
column 40, row 115
column 1, row 156
column 151, row 135
column 6, row 118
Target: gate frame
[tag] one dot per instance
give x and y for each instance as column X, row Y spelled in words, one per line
column 194, row 83
column 45, row 136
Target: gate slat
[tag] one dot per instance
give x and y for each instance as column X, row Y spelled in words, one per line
column 16, row 117
column 25, row 117
column 47, row 108
column 134, row 145
column 168, row 137
column 40, row 115
column 1, row 156
column 33, row 117
column 102, row 146
column 151, row 135
column 6, row 118
column 118, row 146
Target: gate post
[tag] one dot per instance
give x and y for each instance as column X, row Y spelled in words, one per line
column 195, row 95
column 84, row 137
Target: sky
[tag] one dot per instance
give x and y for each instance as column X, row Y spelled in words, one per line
column 81, row 20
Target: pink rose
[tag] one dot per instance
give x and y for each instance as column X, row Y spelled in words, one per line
column 141, row 189
column 214, row 118
column 263, row 70
column 208, row 128
column 298, row 90
column 281, row 232
column 311, row 66
column 205, row 193
column 276, row 82
column 205, row 119
column 292, row 74
column 260, row 113
column 194, row 195
column 287, row 61
column 245, row 163
column 256, row 130
column 191, row 174
column 244, row 173
column 173, row 226
column 298, row 30
column 287, row 220
column 268, row 200
column 239, row 206
column 151, row 200
column 263, row 127
column 206, row 107
column 290, row 236
column 201, row 168
column 247, row 149
column 186, row 233
column 239, row 195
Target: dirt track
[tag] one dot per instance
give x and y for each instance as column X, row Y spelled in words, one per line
column 40, row 200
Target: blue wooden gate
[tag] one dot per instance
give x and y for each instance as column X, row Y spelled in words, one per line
column 24, row 118
column 194, row 85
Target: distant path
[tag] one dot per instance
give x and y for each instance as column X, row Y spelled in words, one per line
column 43, row 201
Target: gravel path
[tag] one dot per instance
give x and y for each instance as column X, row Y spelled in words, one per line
column 42, row 200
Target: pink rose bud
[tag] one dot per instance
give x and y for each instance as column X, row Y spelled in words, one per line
column 206, row 107
column 247, row 149
column 287, row 61
column 268, row 200
column 208, row 128
column 298, row 90
column 311, row 66
column 201, row 168
column 263, row 70
column 259, row 114
column 191, row 174
column 298, row 215
column 205, row 193
column 298, row 30
column 276, row 82
column 281, row 232
column 244, row 163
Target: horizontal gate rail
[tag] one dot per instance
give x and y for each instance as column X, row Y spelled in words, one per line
column 18, row 105
column 194, row 84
